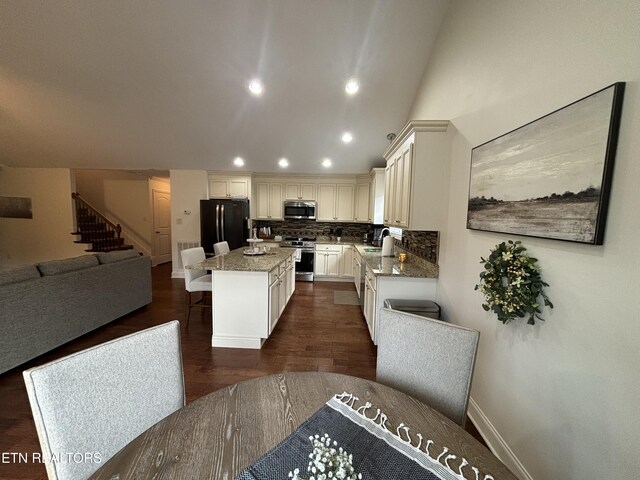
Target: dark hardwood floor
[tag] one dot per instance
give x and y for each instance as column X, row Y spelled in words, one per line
column 312, row 335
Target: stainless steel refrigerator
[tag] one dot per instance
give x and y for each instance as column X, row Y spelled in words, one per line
column 223, row 220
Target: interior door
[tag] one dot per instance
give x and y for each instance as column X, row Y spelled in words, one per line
column 161, row 227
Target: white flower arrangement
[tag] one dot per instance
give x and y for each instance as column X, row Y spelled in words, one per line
column 328, row 461
column 511, row 283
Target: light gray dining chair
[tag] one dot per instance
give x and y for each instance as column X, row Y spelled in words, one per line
column 95, row 401
column 195, row 280
column 221, row 248
column 428, row 359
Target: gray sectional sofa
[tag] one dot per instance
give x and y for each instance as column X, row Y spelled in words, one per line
column 46, row 305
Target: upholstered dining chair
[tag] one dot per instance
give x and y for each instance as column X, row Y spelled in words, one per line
column 90, row 404
column 428, row 359
column 220, row 248
column 195, row 280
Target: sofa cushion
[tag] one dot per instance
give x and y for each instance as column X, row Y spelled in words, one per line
column 21, row 274
column 116, row 256
column 56, row 267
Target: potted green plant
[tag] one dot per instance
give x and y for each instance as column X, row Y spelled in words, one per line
column 338, row 234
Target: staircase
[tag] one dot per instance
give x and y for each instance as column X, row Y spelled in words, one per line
column 95, row 229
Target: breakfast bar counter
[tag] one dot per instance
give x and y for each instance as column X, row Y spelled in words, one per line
column 237, row 261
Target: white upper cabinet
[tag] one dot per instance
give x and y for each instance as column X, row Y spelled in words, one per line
column 376, row 196
column 229, row 187
column 363, row 204
column 300, row 191
column 335, row 203
column 416, row 176
column 268, row 201
column 326, row 210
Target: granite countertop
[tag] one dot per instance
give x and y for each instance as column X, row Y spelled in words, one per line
column 392, row 267
column 235, row 260
column 387, row 266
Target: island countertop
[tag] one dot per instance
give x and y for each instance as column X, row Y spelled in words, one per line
column 235, row 260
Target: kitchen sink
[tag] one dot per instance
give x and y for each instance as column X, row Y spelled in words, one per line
column 373, row 250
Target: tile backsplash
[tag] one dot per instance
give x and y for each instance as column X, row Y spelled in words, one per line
column 420, row 244
column 311, row 228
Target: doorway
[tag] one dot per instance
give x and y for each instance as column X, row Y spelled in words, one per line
column 161, row 227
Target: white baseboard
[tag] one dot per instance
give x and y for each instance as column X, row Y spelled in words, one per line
column 236, row 342
column 495, row 442
column 332, row 279
column 177, row 274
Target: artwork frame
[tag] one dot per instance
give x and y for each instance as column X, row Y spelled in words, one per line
column 15, row 207
column 550, row 178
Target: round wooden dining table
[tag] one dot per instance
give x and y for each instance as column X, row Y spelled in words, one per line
column 222, row 433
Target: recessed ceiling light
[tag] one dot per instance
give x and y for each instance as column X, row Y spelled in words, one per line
column 347, row 137
column 283, row 162
column 238, row 162
column 326, row 163
column 256, row 87
column 352, row 86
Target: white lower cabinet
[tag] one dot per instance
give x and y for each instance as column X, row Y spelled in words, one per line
column 333, row 261
column 327, row 260
column 356, row 267
column 370, row 297
column 377, row 289
column 281, row 286
column 346, row 261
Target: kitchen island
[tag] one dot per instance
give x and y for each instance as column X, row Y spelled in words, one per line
column 250, row 292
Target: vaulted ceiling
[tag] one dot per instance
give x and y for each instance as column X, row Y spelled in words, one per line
column 164, row 84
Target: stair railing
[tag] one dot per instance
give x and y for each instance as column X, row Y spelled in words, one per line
column 100, row 218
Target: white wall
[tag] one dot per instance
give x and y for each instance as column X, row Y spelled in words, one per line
column 563, row 395
column 188, row 187
column 47, row 235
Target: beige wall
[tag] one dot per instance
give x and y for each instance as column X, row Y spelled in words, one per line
column 47, row 235
column 188, row 187
column 562, row 395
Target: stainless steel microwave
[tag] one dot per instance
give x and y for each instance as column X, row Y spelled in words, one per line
column 300, row 209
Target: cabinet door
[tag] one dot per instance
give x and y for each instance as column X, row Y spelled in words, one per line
column 346, row 261
column 344, row 203
column 332, row 260
column 398, row 176
column 262, row 201
column 362, row 203
column 218, row 188
column 238, row 187
column 367, row 303
column 388, row 203
column 282, row 292
column 292, row 191
column 320, row 264
column 275, row 201
column 274, row 307
column 407, row 172
column 326, row 203
column 308, row 191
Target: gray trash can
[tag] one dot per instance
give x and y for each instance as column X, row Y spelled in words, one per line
column 424, row 308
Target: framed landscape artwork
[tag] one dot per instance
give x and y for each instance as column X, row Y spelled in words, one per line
column 550, row 178
column 15, row 207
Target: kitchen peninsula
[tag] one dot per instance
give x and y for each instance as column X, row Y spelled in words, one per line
column 250, row 292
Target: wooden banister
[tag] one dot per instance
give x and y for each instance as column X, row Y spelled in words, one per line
column 82, row 203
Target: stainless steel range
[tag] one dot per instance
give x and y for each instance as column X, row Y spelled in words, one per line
column 304, row 259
